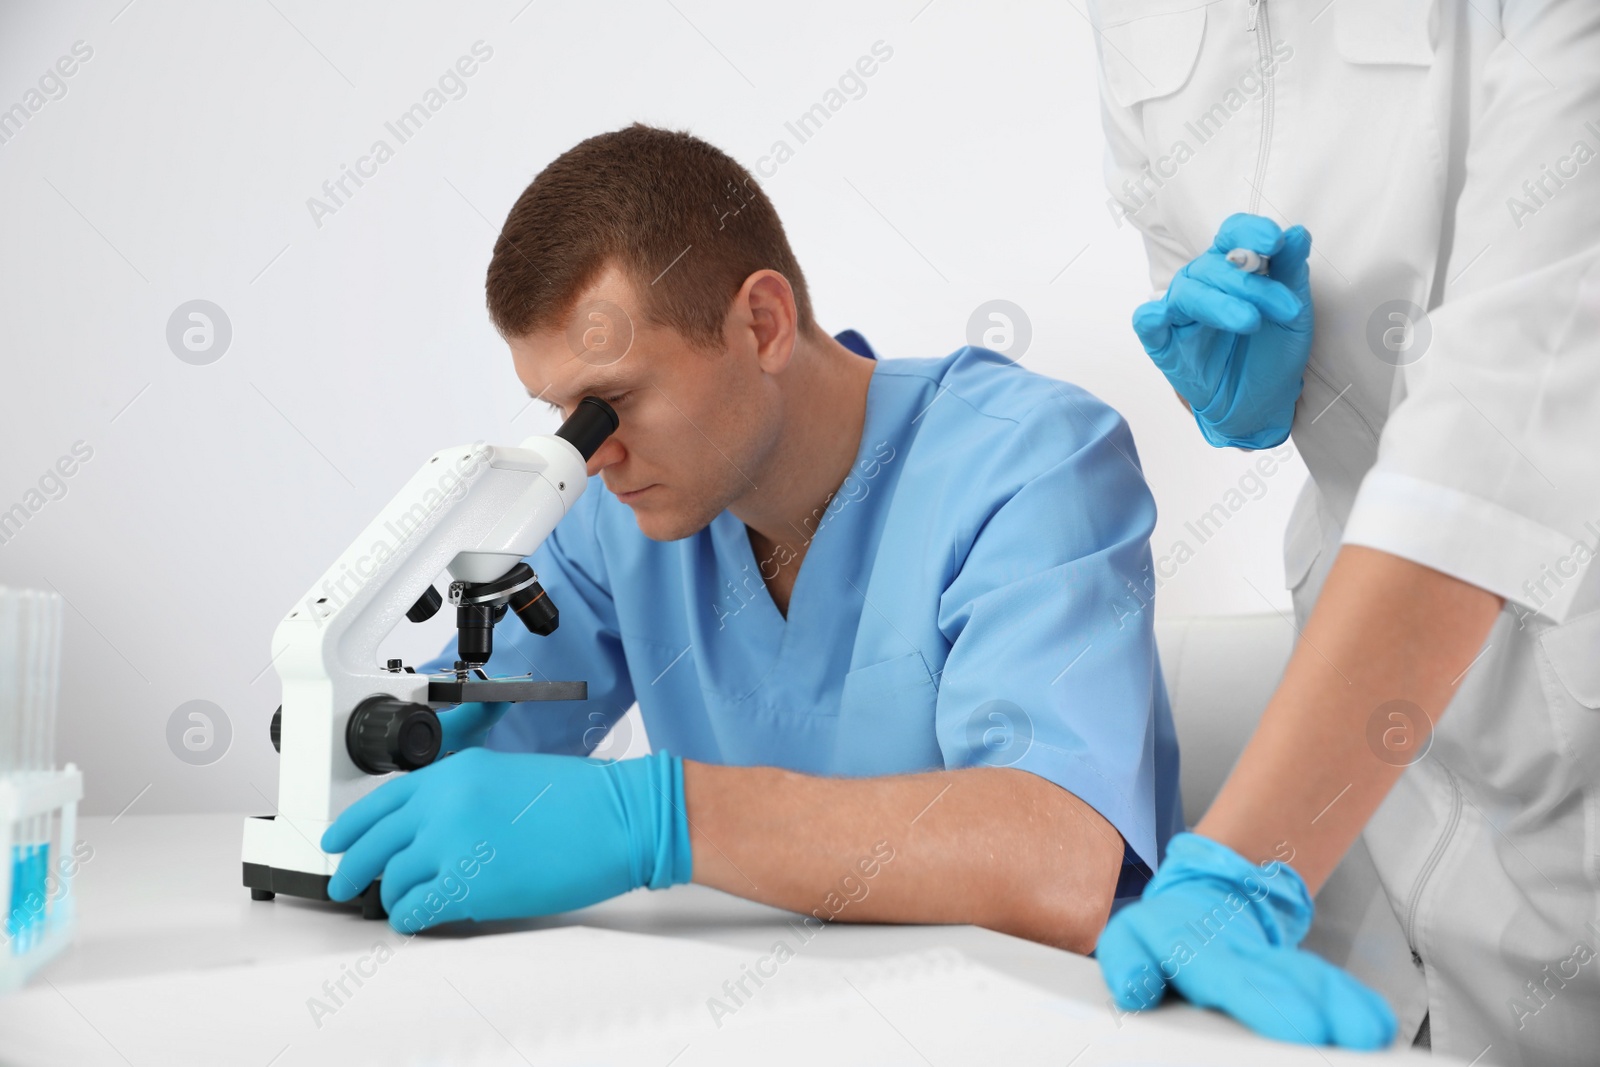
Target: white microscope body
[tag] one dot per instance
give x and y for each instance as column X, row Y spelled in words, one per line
column 348, row 722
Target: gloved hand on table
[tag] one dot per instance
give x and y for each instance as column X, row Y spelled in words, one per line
column 1232, row 343
column 498, row 835
column 467, row 725
column 1224, row 933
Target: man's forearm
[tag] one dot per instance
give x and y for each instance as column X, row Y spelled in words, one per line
column 996, row 847
column 1382, row 654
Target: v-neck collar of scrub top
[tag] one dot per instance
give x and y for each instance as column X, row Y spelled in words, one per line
column 837, row 531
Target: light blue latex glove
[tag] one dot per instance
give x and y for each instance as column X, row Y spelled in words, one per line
column 467, row 725
column 1223, row 932
column 1235, row 344
column 498, row 835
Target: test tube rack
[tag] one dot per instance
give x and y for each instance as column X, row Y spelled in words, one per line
column 38, row 802
column 23, row 797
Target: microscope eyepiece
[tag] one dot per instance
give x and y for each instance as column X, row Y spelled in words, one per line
column 589, row 425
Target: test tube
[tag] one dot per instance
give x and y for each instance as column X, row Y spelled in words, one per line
column 27, row 632
column 28, row 676
column 49, row 693
column 10, row 745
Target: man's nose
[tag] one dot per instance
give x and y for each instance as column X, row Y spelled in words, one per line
column 609, row 453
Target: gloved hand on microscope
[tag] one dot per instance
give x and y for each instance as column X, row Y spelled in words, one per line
column 497, row 835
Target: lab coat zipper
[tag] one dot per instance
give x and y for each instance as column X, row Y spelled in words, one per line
column 1432, row 862
column 1260, row 25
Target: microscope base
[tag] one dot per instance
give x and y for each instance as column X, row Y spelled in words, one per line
column 265, row 880
column 265, row 883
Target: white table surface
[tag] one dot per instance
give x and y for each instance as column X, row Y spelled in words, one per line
column 162, row 894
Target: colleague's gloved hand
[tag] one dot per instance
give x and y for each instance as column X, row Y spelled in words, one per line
column 1235, row 344
column 497, row 835
column 467, row 725
column 1223, row 933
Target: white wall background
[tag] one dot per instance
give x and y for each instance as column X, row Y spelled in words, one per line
column 178, row 164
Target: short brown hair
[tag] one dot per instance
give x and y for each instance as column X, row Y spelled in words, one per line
column 683, row 220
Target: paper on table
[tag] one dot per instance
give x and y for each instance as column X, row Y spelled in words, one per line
column 579, row 995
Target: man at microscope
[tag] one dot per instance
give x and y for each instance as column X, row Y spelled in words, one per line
column 887, row 623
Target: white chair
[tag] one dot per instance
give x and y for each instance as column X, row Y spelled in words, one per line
column 1220, row 672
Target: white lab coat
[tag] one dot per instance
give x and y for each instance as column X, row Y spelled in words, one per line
column 1445, row 154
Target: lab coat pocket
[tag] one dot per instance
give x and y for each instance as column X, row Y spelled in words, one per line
column 1377, row 32
column 1307, row 542
column 1302, row 537
column 1572, row 650
column 886, row 719
column 1148, row 48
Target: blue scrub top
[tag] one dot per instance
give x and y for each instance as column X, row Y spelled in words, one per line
column 971, row 596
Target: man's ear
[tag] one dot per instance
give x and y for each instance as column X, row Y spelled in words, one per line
column 767, row 301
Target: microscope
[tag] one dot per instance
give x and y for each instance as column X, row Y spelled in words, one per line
column 347, row 723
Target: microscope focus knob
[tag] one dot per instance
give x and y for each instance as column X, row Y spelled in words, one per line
column 387, row 734
column 277, row 729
